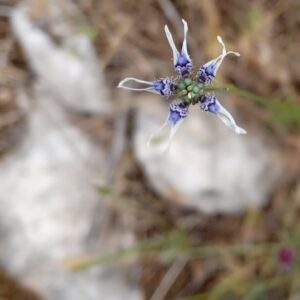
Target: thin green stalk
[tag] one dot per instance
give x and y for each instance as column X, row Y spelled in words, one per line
column 141, row 247
column 283, row 111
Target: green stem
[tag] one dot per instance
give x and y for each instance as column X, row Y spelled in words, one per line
column 233, row 89
column 143, row 246
column 252, row 96
column 215, row 89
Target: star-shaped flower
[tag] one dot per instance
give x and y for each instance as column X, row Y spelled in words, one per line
column 188, row 89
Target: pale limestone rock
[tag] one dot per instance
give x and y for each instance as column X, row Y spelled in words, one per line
column 50, row 208
column 208, row 167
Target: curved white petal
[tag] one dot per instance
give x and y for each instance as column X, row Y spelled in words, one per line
column 149, row 83
column 218, row 61
column 220, row 40
column 156, row 137
column 220, row 58
column 172, row 44
column 163, row 137
column 184, row 50
column 228, row 120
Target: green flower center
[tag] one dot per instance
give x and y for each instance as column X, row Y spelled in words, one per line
column 189, row 90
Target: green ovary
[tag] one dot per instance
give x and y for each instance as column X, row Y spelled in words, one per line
column 189, row 90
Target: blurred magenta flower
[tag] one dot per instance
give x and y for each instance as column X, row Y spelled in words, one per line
column 186, row 88
column 286, row 257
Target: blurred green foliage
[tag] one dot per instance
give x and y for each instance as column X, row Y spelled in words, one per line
column 282, row 112
column 240, row 284
column 89, row 31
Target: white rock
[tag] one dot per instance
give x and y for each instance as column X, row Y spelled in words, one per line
column 70, row 70
column 208, row 167
column 50, row 208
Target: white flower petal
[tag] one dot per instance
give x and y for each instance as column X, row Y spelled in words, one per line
column 184, row 50
column 220, row 58
column 163, row 137
column 172, row 44
column 149, row 83
column 216, row 62
column 228, row 120
column 165, row 134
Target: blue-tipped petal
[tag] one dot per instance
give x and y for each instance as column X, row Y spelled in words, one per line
column 182, row 61
column 163, row 86
column 183, row 66
column 177, row 113
column 208, row 72
column 209, row 103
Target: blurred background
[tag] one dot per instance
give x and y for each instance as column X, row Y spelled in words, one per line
column 87, row 211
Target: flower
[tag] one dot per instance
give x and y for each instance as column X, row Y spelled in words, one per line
column 210, row 103
column 177, row 113
column 182, row 62
column 286, row 257
column 163, row 86
column 186, row 88
column 208, row 71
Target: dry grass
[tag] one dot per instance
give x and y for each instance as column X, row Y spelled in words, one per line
column 129, row 36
